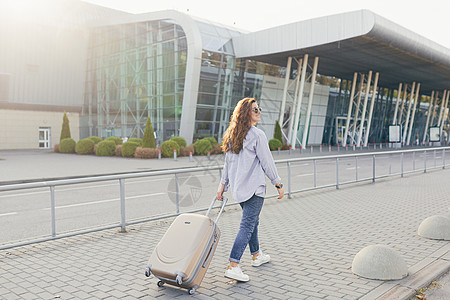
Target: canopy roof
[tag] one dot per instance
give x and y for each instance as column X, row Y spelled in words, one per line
column 353, row 42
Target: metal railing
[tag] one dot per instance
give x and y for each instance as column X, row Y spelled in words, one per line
column 175, row 172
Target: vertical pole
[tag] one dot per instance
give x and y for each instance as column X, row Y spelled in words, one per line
column 373, row 168
column 289, row 179
column 294, row 104
column 177, row 195
column 286, row 83
column 356, row 167
column 372, row 102
column 444, row 114
column 400, row 115
column 350, row 106
column 399, row 92
column 337, row 173
column 310, row 100
column 315, row 182
column 425, row 161
column 413, row 113
column 363, row 113
column 122, row 205
column 358, row 103
column 428, row 118
column 442, row 108
column 299, row 102
column 401, row 164
column 411, row 98
column 52, row 207
column 433, row 113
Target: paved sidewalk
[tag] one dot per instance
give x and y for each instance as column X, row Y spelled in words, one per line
column 312, row 239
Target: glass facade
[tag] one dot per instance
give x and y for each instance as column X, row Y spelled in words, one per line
column 135, row 71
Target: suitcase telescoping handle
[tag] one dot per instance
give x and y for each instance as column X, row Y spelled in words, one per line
column 224, row 202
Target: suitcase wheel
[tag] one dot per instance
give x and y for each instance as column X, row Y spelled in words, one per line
column 179, row 280
column 147, row 272
column 160, row 283
column 191, row 291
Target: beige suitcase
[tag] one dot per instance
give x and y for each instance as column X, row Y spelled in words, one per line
column 185, row 251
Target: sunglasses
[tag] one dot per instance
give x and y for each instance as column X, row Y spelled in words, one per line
column 257, row 109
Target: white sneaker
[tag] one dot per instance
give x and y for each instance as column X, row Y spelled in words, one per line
column 236, row 274
column 260, row 259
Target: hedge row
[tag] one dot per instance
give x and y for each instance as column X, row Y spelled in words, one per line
column 112, row 146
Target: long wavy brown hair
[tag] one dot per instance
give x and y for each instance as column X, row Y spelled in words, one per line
column 240, row 123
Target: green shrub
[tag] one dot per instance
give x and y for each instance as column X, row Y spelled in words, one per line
column 136, row 140
column 274, row 144
column 85, row 146
column 179, row 140
column 67, row 145
column 65, row 129
column 115, row 139
column 129, row 148
column 277, row 134
column 202, row 147
column 212, row 140
column 95, row 139
column 149, row 138
column 106, row 148
column 167, row 148
column 119, row 150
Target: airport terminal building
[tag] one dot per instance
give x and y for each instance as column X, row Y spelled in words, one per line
column 341, row 79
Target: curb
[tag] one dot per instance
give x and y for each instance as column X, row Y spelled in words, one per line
column 421, row 275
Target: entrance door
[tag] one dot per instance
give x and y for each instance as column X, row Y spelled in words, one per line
column 44, row 138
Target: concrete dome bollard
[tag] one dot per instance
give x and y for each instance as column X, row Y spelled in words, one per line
column 379, row 262
column 435, row 227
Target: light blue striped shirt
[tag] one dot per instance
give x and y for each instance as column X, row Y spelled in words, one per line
column 245, row 172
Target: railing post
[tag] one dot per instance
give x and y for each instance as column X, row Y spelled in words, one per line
column 315, row 182
column 177, row 201
column 425, row 161
column 52, row 204
column 122, row 206
column 289, row 179
column 401, row 164
column 337, row 173
column 373, row 168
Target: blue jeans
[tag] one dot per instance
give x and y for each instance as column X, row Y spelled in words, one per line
column 248, row 231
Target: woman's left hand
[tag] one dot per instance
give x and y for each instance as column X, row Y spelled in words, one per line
column 280, row 193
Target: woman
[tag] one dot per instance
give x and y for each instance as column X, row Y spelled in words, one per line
column 247, row 160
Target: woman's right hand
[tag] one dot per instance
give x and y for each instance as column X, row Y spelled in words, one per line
column 219, row 195
column 280, row 193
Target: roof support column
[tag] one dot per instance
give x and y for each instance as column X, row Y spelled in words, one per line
column 442, row 108
column 413, row 113
column 350, row 106
column 372, row 102
column 399, row 91
column 311, row 96
column 285, row 89
column 292, row 113
column 428, row 117
column 405, row 92
column 299, row 102
column 411, row 99
column 433, row 113
column 355, row 121
column 444, row 113
column 363, row 113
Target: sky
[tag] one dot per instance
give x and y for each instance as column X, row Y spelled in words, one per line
column 430, row 18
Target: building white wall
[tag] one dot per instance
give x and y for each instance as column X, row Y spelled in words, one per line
column 19, row 129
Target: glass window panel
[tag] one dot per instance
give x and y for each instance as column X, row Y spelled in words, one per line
column 169, row 114
column 209, row 99
column 207, row 86
column 204, row 114
column 206, row 28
